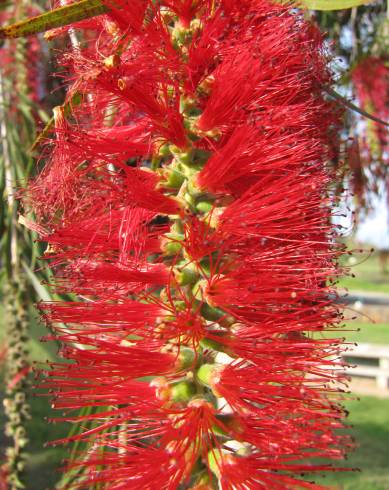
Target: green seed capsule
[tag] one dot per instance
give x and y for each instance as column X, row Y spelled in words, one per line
column 211, row 313
column 171, row 243
column 174, row 178
column 164, row 151
column 205, row 373
column 183, row 391
column 185, row 276
column 186, row 357
column 213, row 344
column 204, row 206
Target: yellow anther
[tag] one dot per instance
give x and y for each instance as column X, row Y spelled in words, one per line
column 112, row 61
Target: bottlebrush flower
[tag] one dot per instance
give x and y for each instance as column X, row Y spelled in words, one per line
column 370, row 78
column 188, row 202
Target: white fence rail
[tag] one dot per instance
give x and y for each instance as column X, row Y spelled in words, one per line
column 378, row 354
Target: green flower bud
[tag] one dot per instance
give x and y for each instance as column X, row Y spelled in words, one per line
column 204, row 206
column 183, row 391
column 186, row 274
column 170, row 243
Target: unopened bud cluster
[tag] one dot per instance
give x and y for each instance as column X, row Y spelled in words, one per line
column 15, row 403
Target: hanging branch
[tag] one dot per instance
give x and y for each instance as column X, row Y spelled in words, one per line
column 354, row 107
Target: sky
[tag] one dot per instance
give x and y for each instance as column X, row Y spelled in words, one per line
column 373, row 230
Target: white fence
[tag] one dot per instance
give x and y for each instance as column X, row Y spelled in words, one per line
column 376, row 353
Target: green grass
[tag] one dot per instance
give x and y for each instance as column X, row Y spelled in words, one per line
column 368, row 275
column 370, row 418
column 361, row 332
column 370, row 333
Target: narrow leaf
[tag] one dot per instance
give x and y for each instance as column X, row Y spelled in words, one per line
column 43, row 134
column 333, row 4
column 58, row 17
column 40, row 290
column 67, row 106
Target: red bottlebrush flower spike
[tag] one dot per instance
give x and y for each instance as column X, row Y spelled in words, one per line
column 371, row 78
column 187, row 203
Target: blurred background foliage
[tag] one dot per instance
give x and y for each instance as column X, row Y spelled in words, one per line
column 359, row 37
column 30, row 87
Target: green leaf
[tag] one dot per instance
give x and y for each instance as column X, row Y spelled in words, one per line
column 333, row 4
column 75, row 100
column 58, row 17
column 40, row 290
